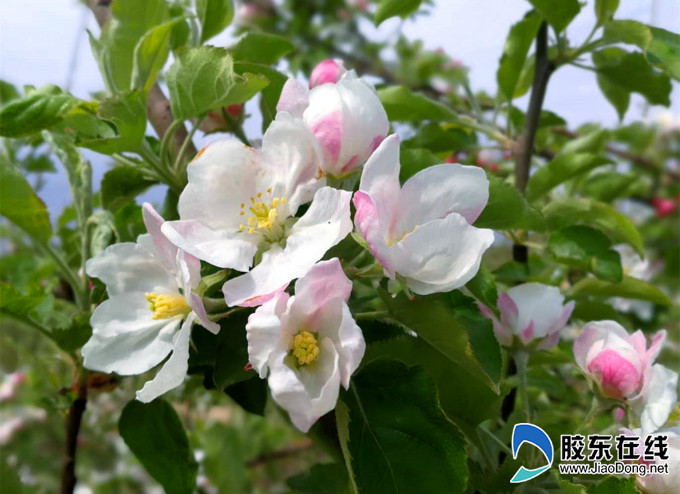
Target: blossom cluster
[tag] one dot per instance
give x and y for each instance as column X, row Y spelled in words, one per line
column 268, row 216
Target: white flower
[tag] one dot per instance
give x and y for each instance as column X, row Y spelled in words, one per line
column 422, row 232
column 531, row 312
column 308, row 345
column 664, row 483
column 240, row 202
column 150, row 310
column 347, row 119
column 657, row 400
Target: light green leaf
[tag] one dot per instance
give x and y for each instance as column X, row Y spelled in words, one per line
column 392, row 8
column 403, row 105
column 37, row 110
column 121, row 185
column 562, row 168
column 592, row 142
column 21, row 205
column 611, row 185
column 585, row 248
column 483, row 287
column 399, row 441
column 507, row 209
column 271, row 93
column 517, row 45
column 605, row 10
column 215, row 16
column 154, row 433
column 558, row 13
column 259, row 47
column 628, row 288
column 203, row 79
column 151, row 54
column 574, row 211
column 7, row 92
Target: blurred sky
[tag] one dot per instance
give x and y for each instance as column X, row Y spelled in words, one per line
column 38, row 39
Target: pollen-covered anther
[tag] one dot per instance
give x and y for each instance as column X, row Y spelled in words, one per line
column 305, row 347
column 264, row 215
column 165, row 306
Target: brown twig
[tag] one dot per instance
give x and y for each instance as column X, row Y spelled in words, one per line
column 73, row 420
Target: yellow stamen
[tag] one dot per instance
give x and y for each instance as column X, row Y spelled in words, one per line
column 305, row 347
column 166, row 305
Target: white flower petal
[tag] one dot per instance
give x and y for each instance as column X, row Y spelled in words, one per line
column 190, row 269
column 370, row 226
column 128, row 267
column 380, row 179
column 542, row 304
column 592, row 333
column 656, row 404
column 325, row 281
column 265, row 333
column 174, row 369
column 221, row 248
column 326, row 222
column 125, row 338
column 165, row 250
column 351, row 346
column 294, row 98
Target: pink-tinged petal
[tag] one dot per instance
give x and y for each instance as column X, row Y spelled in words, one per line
column 351, row 164
column 328, row 131
column 262, row 299
column 368, row 224
column 351, row 346
column 380, row 179
column 617, row 377
column 596, row 336
column 528, row 333
column 377, row 140
column 264, row 332
column 503, row 334
column 655, row 347
column 165, row 249
column 326, row 222
column 325, row 281
column 440, row 190
column 294, row 98
column 550, row 341
column 327, row 71
column 509, row 310
column 218, row 247
column 190, row 270
column 639, row 342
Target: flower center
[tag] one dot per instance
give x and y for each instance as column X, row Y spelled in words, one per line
column 305, row 347
column 265, row 217
column 165, row 306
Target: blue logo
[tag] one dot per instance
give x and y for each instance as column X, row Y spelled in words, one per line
column 532, row 434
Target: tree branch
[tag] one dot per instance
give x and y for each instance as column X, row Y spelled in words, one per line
column 73, row 420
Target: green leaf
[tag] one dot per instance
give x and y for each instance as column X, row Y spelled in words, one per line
column 438, row 138
column 632, row 73
column 215, row 16
column 592, row 142
column 154, row 433
column 392, row 8
column 232, row 351
column 203, row 79
column 618, row 97
column 605, row 10
column 614, row 484
column 574, row 211
column 18, row 304
column 114, row 51
column 21, row 205
column 9, row 476
column 326, row 478
column 628, row 288
column 251, row 395
column 121, row 185
column 37, row 110
column 405, row 106
column 483, row 287
column 150, row 55
column 558, row 13
column 415, row 160
column 661, row 47
column 507, row 209
column 399, row 440
column 270, row 94
column 562, row 168
column 259, row 47
column 588, row 249
column 7, row 92
column 517, row 45
column 610, row 185
column 74, row 336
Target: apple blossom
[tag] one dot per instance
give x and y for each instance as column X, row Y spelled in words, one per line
column 530, row 313
column 347, row 119
column 307, row 345
column 663, row 483
column 423, row 233
column 240, row 203
column 327, row 71
column 623, row 368
column 150, row 310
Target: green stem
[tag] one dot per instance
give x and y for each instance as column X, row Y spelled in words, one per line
column 581, row 66
column 223, row 315
column 168, row 137
column 500, row 443
column 68, row 273
column 186, row 144
column 592, row 413
column 522, row 361
column 473, row 101
column 32, row 323
column 236, row 128
column 376, row 314
column 214, row 304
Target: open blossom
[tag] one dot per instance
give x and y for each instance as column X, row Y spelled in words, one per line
column 347, row 119
column 423, row 233
column 663, row 483
column 150, row 310
column 307, row 345
column 530, row 313
column 327, row 71
column 240, row 202
column 623, row 368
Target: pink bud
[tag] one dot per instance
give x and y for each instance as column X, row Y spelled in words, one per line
column 664, row 207
column 327, row 71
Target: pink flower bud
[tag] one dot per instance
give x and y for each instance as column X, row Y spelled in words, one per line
column 532, row 315
column 619, row 363
column 327, row 71
column 664, row 207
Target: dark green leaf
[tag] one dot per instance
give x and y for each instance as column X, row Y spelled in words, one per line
column 37, row 110
column 121, row 185
column 75, row 335
column 588, row 249
column 586, row 310
column 562, row 168
column 215, row 16
column 558, row 13
column 21, row 205
column 573, row 211
column 232, row 351
column 392, row 8
column 614, row 484
column 259, row 47
column 628, row 288
column 403, row 105
column 154, row 433
column 7, row 92
column 507, row 209
column 517, row 44
column 251, row 395
column 618, row 97
column 397, row 437
column 326, row 478
column 415, row 160
column 129, row 222
column 483, row 287
column 438, row 137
